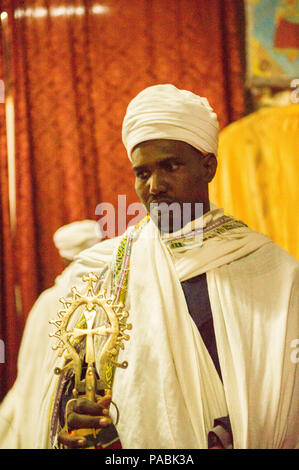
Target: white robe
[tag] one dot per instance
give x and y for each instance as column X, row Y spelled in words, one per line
column 170, row 393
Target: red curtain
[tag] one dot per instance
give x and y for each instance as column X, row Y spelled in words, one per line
column 10, row 328
column 76, row 65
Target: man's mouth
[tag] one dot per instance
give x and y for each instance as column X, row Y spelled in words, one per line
column 160, row 201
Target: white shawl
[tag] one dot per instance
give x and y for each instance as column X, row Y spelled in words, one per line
column 170, row 393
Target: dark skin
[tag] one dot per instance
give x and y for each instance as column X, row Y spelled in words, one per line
column 85, row 414
column 172, row 171
column 165, row 171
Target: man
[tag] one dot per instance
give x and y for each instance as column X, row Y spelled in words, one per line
column 212, row 305
column 17, row 410
column 75, row 237
column 213, row 324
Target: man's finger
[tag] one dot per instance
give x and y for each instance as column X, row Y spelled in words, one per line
column 72, row 442
column 104, row 402
column 82, row 421
column 84, row 406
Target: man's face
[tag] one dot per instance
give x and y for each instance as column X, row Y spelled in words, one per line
column 171, row 171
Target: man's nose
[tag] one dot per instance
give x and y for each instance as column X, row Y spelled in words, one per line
column 157, row 184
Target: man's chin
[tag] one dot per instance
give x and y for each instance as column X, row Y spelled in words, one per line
column 167, row 224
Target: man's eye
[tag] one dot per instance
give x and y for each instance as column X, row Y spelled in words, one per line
column 172, row 166
column 142, row 174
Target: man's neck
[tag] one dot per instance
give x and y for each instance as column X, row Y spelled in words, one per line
column 173, row 225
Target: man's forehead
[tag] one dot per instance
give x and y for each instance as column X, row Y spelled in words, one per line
column 161, row 149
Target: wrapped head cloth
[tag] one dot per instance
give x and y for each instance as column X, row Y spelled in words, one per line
column 75, row 237
column 165, row 112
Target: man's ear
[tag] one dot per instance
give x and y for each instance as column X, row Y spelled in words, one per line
column 210, row 164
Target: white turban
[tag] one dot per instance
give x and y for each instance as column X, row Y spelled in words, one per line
column 75, row 237
column 165, row 112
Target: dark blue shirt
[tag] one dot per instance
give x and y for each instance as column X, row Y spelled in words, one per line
column 198, row 302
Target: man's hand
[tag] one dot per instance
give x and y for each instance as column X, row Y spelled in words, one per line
column 214, row 442
column 220, row 446
column 82, row 414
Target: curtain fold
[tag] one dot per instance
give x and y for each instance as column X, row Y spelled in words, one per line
column 74, row 76
column 10, row 329
column 257, row 176
column 76, row 65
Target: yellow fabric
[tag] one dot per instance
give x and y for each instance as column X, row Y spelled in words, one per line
column 257, row 176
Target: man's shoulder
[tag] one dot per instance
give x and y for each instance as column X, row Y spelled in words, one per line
column 270, row 258
column 102, row 249
column 278, row 254
column 92, row 259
